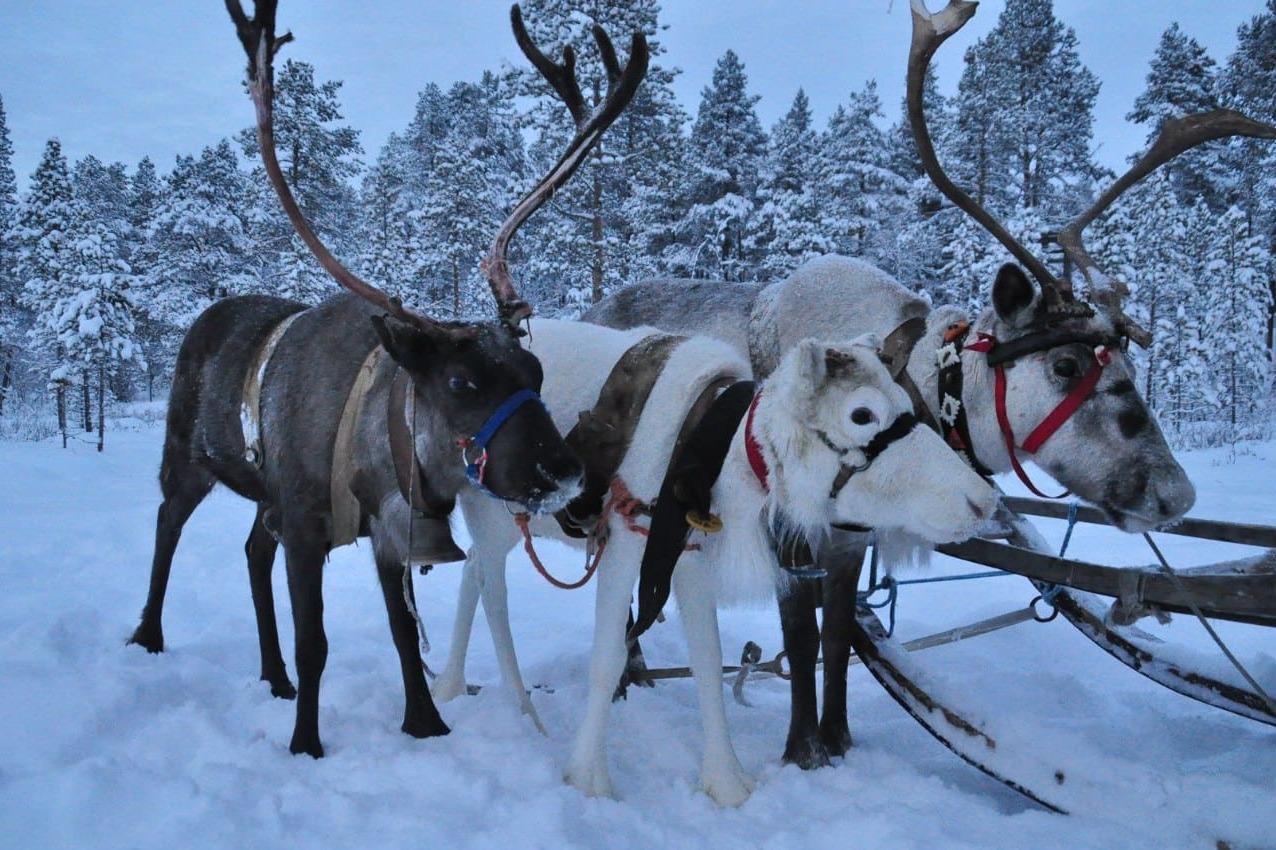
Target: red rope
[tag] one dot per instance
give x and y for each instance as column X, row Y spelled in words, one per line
column 623, row 504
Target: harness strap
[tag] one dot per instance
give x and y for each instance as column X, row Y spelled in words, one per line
column 250, row 406
column 952, row 413
column 345, row 507
column 476, row 469
column 602, row 434
column 404, row 453
column 687, row 486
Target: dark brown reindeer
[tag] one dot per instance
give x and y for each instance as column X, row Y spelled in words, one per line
column 1107, row 450
column 358, row 417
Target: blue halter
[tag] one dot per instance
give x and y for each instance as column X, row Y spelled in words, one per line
column 474, row 470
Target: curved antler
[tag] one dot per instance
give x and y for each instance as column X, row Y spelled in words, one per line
column 1177, row 136
column 622, row 83
column 257, row 34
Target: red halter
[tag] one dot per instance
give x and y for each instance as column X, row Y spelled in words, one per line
column 1053, row 421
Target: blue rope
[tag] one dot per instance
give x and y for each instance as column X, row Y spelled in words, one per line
column 1050, row 591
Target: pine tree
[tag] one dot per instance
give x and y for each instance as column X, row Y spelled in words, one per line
column 391, row 257
column 1181, row 82
column 612, row 219
column 1249, row 84
column 717, row 197
column 46, row 216
column 468, row 193
column 92, row 316
column 1235, row 275
column 317, row 159
column 12, row 314
column 199, row 248
column 788, row 228
column 1026, row 114
column 859, row 191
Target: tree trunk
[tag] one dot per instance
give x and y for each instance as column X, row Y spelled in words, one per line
column 596, row 233
column 101, row 407
column 6, row 380
column 88, row 403
column 62, row 424
column 456, row 290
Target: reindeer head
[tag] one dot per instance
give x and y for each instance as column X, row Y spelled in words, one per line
column 1070, row 396
column 845, row 448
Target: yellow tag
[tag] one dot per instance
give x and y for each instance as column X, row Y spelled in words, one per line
column 710, row 524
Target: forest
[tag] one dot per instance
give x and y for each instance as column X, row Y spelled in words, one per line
column 104, row 265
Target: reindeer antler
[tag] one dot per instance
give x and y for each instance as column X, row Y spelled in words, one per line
column 257, row 34
column 622, row 83
column 1177, row 136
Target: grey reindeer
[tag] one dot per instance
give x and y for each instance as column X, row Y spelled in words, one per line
column 1070, row 397
column 356, row 418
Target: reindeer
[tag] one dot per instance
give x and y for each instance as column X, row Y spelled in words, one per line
column 1070, row 397
column 827, row 438
column 347, row 420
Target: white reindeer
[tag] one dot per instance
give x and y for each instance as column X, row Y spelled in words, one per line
column 822, row 405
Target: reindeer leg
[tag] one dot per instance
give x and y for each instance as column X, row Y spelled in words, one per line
column 305, row 547
column 184, row 485
column 721, row 774
column 843, row 564
column 420, row 716
column 260, row 549
column 802, row 643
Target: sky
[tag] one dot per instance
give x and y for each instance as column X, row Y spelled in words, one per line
column 126, row 80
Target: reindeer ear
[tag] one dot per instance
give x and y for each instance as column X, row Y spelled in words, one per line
column 1013, row 295
column 411, row 347
column 837, row 361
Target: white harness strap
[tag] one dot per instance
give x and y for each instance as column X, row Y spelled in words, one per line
column 345, row 508
column 250, row 409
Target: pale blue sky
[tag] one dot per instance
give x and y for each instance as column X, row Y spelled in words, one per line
column 122, row 80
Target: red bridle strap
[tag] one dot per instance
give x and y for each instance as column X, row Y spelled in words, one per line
column 1062, row 412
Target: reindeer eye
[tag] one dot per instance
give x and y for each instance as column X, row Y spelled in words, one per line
column 862, row 416
column 459, row 385
column 1066, row 368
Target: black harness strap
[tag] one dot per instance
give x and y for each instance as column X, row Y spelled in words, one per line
column 952, row 413
column 687, row 487
column 602, row 434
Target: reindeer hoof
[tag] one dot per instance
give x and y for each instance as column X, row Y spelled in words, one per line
column 281, row 689
column 808, row 753
column 728, row 789
column 836, row 738
column 301, row 746
column 425, row 728
column 150, row 639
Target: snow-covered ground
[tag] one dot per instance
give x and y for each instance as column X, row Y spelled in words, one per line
column 103, row 745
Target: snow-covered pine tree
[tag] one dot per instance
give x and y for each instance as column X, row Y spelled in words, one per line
column 144, row 195
column 1025, row 117
column 468, row 193
column 199, row 248
column 46, row 215
column 788, row 227
column 1181, row 82
column 12, row 313
column 1235, row 279
column 607, row 223
column 318, row 157
column 716, row 196
column 859, row 193
column 1248, row 83
column 390, row 255
column 92, row 317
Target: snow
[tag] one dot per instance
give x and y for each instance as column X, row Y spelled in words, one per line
column 103, row 745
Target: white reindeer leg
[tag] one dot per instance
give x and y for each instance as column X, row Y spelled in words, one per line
column 587, row 769
column 450, row 684
column 721, row 774
column 495, row 593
